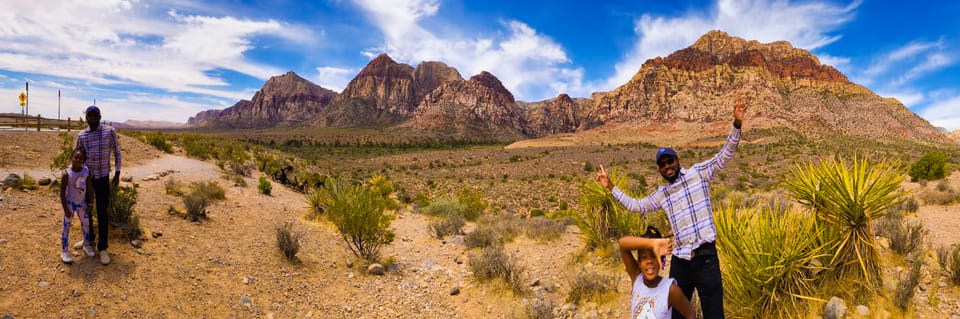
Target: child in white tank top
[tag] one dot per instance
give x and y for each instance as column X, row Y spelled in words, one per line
column 76, row 197
column 653, row 296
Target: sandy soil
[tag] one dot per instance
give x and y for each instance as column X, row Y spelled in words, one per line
column 229, row 266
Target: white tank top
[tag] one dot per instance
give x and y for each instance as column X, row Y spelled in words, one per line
column 651, row 303
column 77, row 185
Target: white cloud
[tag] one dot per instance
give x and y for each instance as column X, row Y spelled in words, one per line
column 909, row 51
column 805, row 25
column 909, row 99
column 334, row 78
column 933, row 62
column 840, row 63
column 944, row 113
column 530, row 64
column 114, row 42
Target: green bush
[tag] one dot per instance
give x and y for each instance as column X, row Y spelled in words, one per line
column 473, row 203
column 590, row 286
column 931, row 166
column 27, row 182
column 907, row 286
column 492, row 263
column 159, row 141
column 602, row 217
column 210, row 190
column 445, row 206
column 264, row 186
column 482, row 237
column 848, row 198
column 62, row 160
column 201, row 195
column 358, row 212
column 123, row 199
column 288, row 240
column 449, row 225
column 173, row 187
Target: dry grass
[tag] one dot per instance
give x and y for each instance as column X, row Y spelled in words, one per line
column 492, row 263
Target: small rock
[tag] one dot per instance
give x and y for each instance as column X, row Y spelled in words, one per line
column 136, row 243
column 156, row 234
column 126, row 178
column 7, row 317
column 75, row 293
column 44, row 181
column 864, row 311
column 459, row 260
column 44, row 284
column 536, row 282
column 349, row 263
column 835, row 309
column 140, row 251
column 350, row 275
column 247, row 279
column 455, row 291
column 376, row 269
column 246, row 301
column 93, row 312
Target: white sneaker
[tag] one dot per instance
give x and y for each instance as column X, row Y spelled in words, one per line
column 89, row 250
column 104, row 257
column 66, row 257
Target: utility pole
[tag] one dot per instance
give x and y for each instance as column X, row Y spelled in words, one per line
column 27, row 114
column 58, row 110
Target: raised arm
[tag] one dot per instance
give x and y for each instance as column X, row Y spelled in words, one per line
column 643, row 205
column 660, row 246
column 717, row 162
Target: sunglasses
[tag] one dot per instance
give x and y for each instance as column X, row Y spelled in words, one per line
column 666, row 161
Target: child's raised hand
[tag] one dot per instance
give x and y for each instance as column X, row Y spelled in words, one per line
column 662, row 247
column 603, row 179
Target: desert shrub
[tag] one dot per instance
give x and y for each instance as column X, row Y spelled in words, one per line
column 264, row 186
column 588, row 166
column 543, row 228
column 473, row 203
column 848, row 198
column 931, row 166
column 27, row 182
column 196, row 206
column 381, row 187
column 590, row 286
column 770, row 260
column 904, row 238
column 158, row 141
column 445, row 206
column 288, row 240
column 943, row 257
column 173, row 187
column 358, row 212
column 210, row 190
column 942, row 194
column 234, row 178
column 123, row 199
column 482, row 237
column 62, row 160
column 492, row 263
column 907, row 286
column 449, row 225
column 602, row 217
column 953, row 265
column 199, row 147
column 540, row 308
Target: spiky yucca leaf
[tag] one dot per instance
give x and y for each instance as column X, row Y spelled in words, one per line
column 768, row 255
column 848, row 198
column 602, row 217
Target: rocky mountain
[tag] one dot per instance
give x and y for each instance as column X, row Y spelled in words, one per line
column 558, row 115
column 284, row 101
column 478, row 108
column 689, row 92
column 955, row 136
column 134, row 124
column 785, row 86
column 385, row 93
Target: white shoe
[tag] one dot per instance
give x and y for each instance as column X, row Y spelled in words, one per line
column 104, row 257
column 66, row 257
column 89, row 250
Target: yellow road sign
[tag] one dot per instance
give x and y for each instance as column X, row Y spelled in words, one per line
column 23, row 97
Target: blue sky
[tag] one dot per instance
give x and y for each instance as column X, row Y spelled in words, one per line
column 167, row 60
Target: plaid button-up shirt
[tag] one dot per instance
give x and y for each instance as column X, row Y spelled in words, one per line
column 687, row 201
column 98, row 144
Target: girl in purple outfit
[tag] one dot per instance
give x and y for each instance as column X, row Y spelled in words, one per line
column 76, row 196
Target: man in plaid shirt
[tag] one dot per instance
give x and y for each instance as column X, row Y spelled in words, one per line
column 99, row 141
column 686, row 200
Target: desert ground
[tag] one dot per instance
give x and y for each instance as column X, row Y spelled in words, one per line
column 229, row 266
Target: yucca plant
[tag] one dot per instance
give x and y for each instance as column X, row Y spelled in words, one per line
column 769, row 257
column 602, row 217
column 847, row 198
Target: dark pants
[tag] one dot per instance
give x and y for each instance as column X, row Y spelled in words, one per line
column 101, row 189
column 703, row 273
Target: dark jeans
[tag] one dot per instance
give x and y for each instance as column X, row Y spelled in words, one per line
column 703, row 273
column 101, row 189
